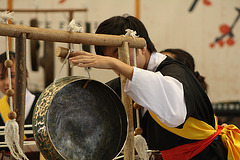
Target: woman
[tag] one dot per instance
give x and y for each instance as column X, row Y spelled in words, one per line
column 172, row 98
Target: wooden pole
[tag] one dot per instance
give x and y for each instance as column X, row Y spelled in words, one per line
column 67, row 37
column 129, row 153
column 10, row 6
column 137, row 9
column 20, row 85
column 69, row 67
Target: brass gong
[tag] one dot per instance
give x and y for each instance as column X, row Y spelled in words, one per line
column 79, row 118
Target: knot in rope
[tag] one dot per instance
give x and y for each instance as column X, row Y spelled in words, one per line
column 6, row 15
column 73, row 27
column 131, row 33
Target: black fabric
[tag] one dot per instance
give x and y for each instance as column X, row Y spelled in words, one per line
column 115, row 85
column 200, row 108
column 196, row 99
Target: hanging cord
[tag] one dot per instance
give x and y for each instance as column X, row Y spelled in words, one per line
column 63, row 63
column 11, row 127
column 140, row 143
column 72, row 27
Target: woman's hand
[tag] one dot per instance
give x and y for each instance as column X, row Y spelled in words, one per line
column 85, row 59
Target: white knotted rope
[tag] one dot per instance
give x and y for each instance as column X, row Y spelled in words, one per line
column 11, row 127
column 140, row 143
column 72, row 27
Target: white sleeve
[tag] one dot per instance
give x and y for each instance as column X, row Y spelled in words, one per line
column 162, row 95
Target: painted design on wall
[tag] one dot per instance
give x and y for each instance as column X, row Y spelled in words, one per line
column 227, row 33
column 205, row 2
column 61, row 1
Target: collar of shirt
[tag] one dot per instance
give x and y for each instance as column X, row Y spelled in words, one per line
column 155, row 59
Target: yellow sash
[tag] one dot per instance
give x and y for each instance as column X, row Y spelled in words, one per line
column 195, row 129
column 5, row 109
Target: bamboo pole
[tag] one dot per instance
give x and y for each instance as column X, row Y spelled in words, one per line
column 127, row 102
column 67, row 37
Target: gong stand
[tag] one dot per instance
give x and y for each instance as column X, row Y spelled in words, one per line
column 21, row 33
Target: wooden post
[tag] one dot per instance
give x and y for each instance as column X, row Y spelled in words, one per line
column 129, row 154
column 137, row 8
column 20, row 85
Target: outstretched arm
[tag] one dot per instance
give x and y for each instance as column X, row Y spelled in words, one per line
column 85, row 59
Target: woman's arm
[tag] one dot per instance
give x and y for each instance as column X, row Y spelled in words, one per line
column 85, row 59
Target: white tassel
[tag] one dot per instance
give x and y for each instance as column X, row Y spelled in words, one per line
column 6, row 15
column 141, row 147
column 12, row 139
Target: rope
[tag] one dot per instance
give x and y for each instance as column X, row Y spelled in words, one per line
column 8, row 16
column 64, row 61
column 11, row 128
column 72, row 27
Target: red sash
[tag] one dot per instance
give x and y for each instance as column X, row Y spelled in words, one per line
column 187, row 151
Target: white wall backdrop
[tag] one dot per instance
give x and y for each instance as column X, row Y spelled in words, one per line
column 170, row 25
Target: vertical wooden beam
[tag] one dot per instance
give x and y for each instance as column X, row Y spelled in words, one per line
column 70, row 19
column 20, row 84
column 129, row 154
column 137, row 9
column 10, row 7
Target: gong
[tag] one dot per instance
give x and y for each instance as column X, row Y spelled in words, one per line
column 79, row 118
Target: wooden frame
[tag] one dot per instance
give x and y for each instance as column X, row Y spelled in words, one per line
column 21, row 33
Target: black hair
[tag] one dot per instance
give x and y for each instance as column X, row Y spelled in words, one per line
column 187, row 59
column 3, row 58
column 118, row 24
column 183, row 57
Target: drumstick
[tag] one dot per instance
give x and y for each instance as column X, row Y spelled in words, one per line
column 85, row 85
column 62, row 52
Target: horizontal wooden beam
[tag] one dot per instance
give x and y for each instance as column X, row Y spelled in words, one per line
column 67, row 37
column 46, row 10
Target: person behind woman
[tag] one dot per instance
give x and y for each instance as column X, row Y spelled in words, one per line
column 30, row 102
column 177, row 111
column 188, row 60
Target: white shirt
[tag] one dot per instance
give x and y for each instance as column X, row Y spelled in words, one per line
column 162, row 95
column 28, row 103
